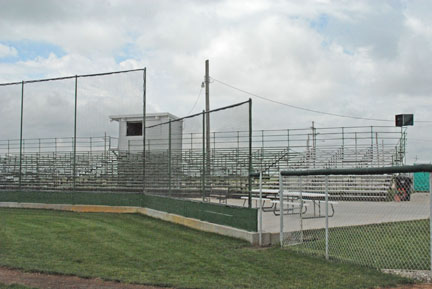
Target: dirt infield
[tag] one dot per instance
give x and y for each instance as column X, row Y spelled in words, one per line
column 51, row 281
column 415, row 286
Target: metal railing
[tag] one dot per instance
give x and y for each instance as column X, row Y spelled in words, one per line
column 60, row 145
column 47, row 163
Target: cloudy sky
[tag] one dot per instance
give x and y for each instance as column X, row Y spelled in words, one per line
column 369, row 59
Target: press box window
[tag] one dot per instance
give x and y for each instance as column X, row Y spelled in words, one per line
column 133, row 128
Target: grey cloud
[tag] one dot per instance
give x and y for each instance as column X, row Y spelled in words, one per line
column 365, row 62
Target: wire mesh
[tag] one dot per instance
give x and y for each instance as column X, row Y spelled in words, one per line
column 10, row 110
column 181, row 163
column 66, row 133
column 47, row 111
column 377, row 220
column 182, row 159
column 103, row 101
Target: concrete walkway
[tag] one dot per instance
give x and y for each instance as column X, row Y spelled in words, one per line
column 349, row 213
column 354, row 213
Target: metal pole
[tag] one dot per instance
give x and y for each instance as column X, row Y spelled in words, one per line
column 343, row 146
column 326, row 219
column 281, row 206
column 207, row 108
column 262, row 150
column 144, row 128
column 250, row 155
column 238, row 141
column 355, row 138
column 203, row 158
column 21, row 135
column 301, row 209
column 75, row 133
column 313, row 144
column 260, row 209
column 288, row 148
column 430, row 217
column 377, row 148
column 371, row 148
column 169, row 157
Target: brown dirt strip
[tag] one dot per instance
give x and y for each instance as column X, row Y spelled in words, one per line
column 414, row 286
column 51, row 281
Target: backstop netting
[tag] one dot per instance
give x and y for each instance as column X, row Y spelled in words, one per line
column 183, row 160
column 10, row 135
column 104, row 101
column 47, row 139
column 57, row 135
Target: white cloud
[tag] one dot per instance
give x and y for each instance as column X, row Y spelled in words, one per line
column 365, row 58
column 7, row 51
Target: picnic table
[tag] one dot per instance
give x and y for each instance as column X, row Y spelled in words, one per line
column 316, row 198
column 294, row 200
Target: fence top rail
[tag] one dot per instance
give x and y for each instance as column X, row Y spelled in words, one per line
column 357, row 171
column 70, row 77
column 361, row 171
column 201, row 113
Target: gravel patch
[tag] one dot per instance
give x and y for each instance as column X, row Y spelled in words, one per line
column 418, row 275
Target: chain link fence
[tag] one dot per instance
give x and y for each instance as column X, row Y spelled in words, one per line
column 55, row 133
column 376, row 217
column 88, row 139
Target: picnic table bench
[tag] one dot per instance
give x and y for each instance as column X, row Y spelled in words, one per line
column 292, row 198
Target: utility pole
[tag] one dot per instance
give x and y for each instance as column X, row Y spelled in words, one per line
column 207, row 109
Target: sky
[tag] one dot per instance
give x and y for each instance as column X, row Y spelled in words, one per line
column 367, row 59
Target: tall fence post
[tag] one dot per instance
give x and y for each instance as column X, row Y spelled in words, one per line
column 260, row 209
column 75, row 133
column 203, row 158
column 281, row 206
column 326, row 218
column 21, row 135
column 250, row 155
column 301, row 208
column 343, row 148
column 169, row 157
column 430, row 217
column 144, row 129
column 288, row 148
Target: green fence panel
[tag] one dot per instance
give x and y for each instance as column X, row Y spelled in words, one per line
column 421, row 182
column 237, row 217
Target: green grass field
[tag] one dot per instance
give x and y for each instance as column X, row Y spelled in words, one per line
column 138, row 249
column 399, row 245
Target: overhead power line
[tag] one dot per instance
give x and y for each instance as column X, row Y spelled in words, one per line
column 196, row 101
column 303, row 108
